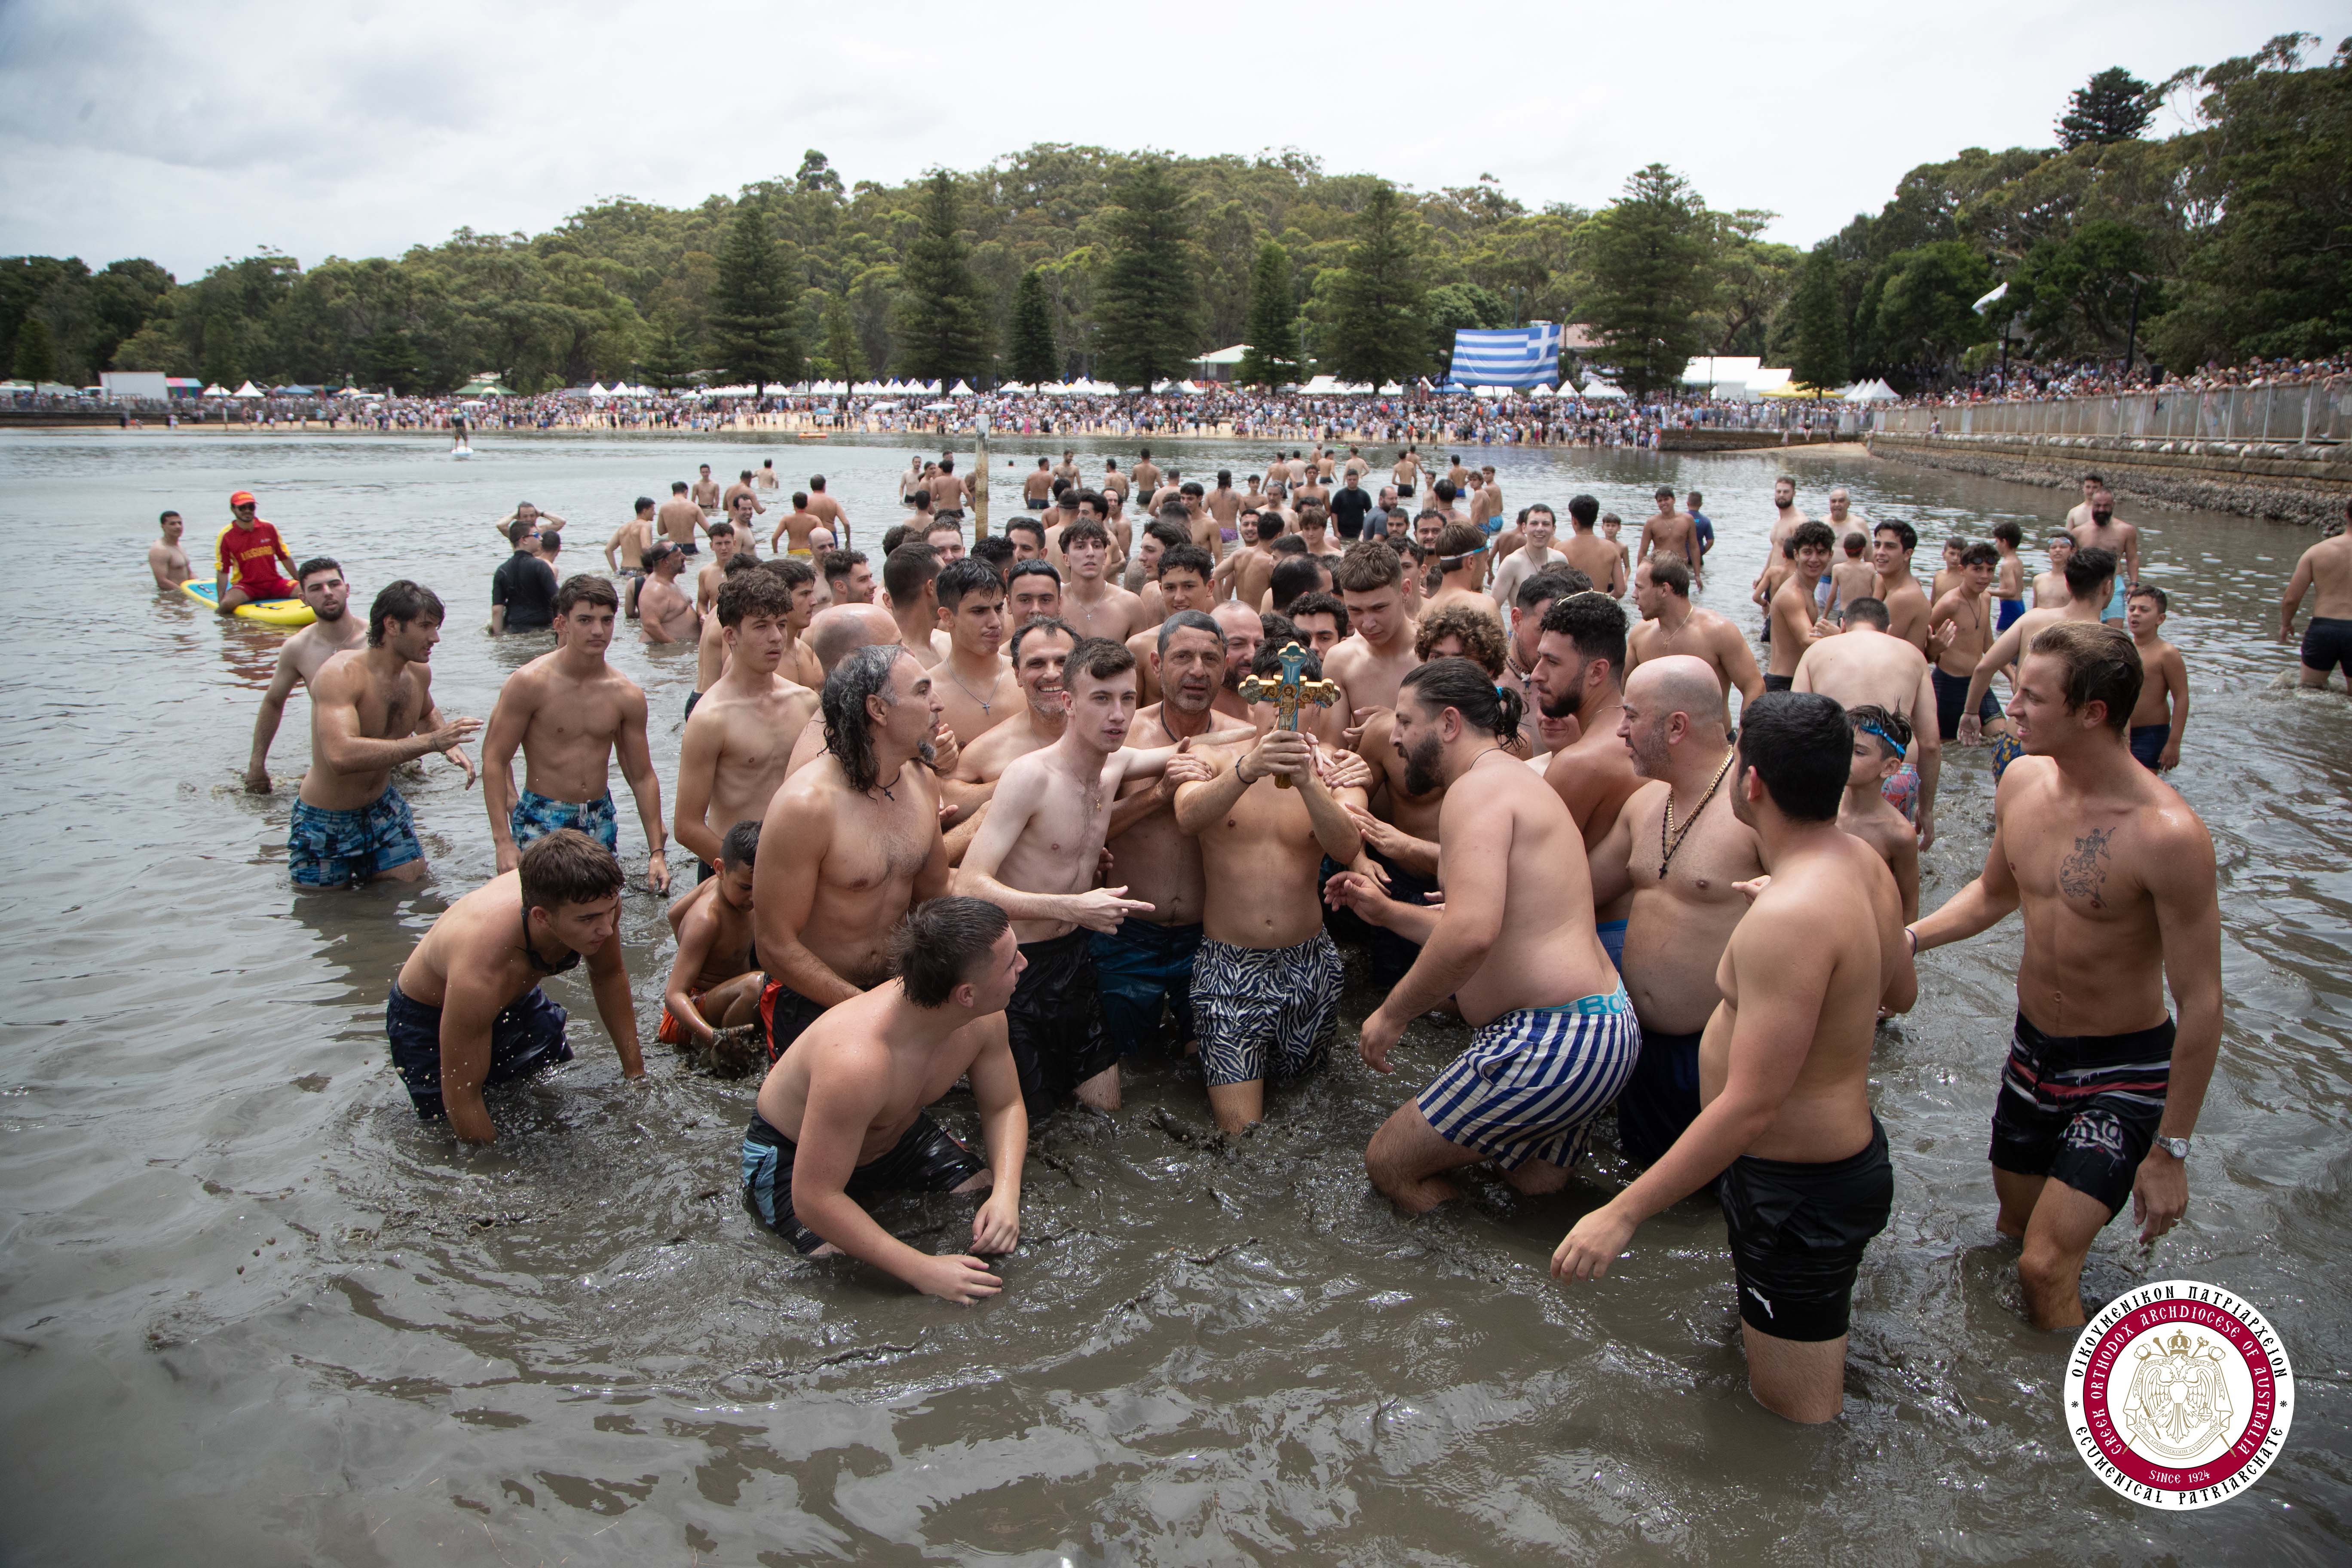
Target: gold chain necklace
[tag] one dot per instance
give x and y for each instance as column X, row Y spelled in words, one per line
column 1668, row 845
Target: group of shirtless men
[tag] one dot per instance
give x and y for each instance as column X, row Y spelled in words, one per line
column 1002, row 867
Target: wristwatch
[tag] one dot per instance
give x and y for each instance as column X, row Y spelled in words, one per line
column 2175, row 1147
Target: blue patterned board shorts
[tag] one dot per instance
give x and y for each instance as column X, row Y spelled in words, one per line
column 1266, row 1014
column 535, row 816
column 344, row 848
column 1532, row 1081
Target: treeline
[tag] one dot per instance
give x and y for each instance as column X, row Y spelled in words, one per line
column 2230, row 239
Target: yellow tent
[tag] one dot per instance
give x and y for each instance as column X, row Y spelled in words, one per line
column 1794, row 389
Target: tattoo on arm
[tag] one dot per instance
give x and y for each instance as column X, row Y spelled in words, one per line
column 2084, row 873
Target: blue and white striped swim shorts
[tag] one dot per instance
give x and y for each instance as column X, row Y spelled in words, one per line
column 1532, row 1081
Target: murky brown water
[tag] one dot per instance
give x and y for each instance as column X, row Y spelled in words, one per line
column 252, row 1311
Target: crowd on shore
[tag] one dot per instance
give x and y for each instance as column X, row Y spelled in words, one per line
column 1263, row 706
column 2029, row 382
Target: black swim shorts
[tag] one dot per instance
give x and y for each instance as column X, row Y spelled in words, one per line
column 524, row 1038
column 925, row 1161
column 1660, row 1102
column 2082, row 1109
column 1952, row 702
column 1055, row 1021
column 784, row 1013
column 2327, row 645
column 1798, row 1234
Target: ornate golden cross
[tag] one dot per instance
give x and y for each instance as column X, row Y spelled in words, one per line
column 1287, row 693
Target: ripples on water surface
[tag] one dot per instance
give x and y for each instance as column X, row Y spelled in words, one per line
column 252, row 1311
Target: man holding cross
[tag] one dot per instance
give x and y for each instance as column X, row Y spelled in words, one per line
column 1266, row 982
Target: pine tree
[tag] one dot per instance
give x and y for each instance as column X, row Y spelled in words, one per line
column 942, row 330
column 666, row 363
column 1036, row 358
column 1147, row 309
column 842, row 348
column 1273, row 329
column 752, row 319
column 1648, row 275
column 37, row 351
column 1379, row 334
column 1817, row 323
column 2112, row 106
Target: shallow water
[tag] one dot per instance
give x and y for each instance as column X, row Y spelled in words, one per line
column 252, row 1311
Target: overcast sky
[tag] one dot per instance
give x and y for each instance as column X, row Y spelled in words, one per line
column 194, row 132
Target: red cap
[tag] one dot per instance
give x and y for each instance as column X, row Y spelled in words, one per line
column 242, row 498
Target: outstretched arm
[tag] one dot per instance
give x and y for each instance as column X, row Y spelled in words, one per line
column 1477, row 875
column 1984, row 902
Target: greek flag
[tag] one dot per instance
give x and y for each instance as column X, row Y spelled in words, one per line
column 1516, row 356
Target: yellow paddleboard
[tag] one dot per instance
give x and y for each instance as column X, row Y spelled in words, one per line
column 287, row 613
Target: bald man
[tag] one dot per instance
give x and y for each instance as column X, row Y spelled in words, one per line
column 1685, row 904
column 840, row 630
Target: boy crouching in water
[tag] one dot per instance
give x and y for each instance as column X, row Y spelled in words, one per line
column 841, row 1116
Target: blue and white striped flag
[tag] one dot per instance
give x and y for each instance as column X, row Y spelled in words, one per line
column 1516, row 356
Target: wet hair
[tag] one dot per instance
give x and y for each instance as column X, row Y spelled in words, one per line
column 1480, row 634
column 1026, row 525
column 1551, row 582
column 1459, row 684
column 678, row 486
column 1188, row 557
column 401, row 600
column 585, row 589
column 1295, row 577
column 1086, row 530
column 1310, row 516
column 722, row 531
column 742, row 594
column 1093, row 498
column 645, row 503
column 1458, row 541
column 848, row 733
column 1169, row 534
column 1800, row 743
column 1595, row 622
column 1979, row 555
column 1098, row 659
column 1670, row 571
column 1905, row 534
column 2089, row 567
column 1189, row 621
column 1663, row 492
column 896, row 535
column 1033, row 567
column 1584, row 510
column 906, row 570
column 840, row 563
column 1269, row 525
column 741, row 844
column 2101, row 666
column 164, row 516
column 2008, row 534
column 1368, row 566
column 2093, row 480
column 996, row 550
column 1869, row 608
column 1854, row 542
column 1320, row 604
column 1818, row 535
column 567, row 867
column 1036, row 624
column 303, row 574
column 2150, row 591
column 1957, row 541
column 1888, row 728
column 938, row 942
column 960, row 580
column 790, row 571
column 518, row 530
column 816, row 481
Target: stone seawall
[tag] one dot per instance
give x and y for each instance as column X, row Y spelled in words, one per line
column 1704, row 439
column 2252, row 479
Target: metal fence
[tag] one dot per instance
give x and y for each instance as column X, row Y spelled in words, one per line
column 2302, row 413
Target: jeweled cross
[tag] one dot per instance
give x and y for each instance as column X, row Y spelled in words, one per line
column 1289, row 693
